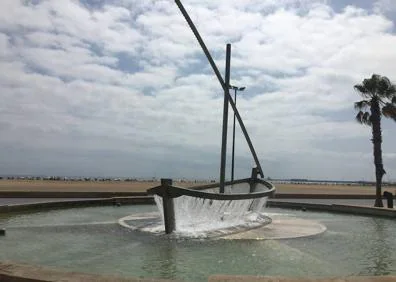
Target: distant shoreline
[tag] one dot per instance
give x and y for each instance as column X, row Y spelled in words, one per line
column 186, row 180
column 142, row 186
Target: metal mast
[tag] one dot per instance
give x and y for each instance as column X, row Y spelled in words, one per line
column 223, row 85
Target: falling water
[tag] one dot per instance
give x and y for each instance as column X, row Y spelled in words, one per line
column 197, row 215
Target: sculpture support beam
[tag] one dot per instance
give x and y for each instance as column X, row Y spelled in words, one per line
column 168, row 207
column 225, row 120
column 225, row 88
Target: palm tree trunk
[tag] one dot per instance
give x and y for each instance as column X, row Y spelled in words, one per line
column 377, row 150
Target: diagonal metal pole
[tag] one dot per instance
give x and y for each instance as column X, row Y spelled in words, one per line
column 225, row 87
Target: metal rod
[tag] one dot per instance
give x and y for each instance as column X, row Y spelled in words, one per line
column 253, row 179
column 203, row 46
column 226, row 90
column 233, row 140
column 225, row 120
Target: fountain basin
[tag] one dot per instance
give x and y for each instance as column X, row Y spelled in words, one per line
column 91, row 240
column 263, row 228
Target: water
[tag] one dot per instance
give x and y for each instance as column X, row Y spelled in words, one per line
column 90, row 240
column 197, row 216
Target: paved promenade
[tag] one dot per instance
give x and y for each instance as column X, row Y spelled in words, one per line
column 358, row 202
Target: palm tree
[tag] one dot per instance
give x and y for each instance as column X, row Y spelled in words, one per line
column 379, row 95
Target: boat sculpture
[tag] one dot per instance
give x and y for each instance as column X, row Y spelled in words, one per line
column 205, row 209
column 225, row 205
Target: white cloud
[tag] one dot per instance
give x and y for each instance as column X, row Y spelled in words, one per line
column 382, row 6
column 128, row 77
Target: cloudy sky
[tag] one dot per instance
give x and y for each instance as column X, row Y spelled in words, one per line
column 121, row 87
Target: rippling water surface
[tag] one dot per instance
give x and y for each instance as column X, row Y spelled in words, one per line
column 90, row 240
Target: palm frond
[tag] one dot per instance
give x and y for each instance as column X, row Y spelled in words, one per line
column 359, row 117
column 390, row 92
column 383, row 86
column 366, row 118
column 371, row 84
column 376, row 85
column 389, row 111
column 362, row 90
column 361, row 105
column 363, row 118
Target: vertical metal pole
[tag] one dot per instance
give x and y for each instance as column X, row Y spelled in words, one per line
column 233, row 141
column 225, row 119
column 253, row 179
column 168, row 208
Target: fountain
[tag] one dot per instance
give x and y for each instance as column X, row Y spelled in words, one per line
column 227, row 228
column 204, row 212
column 222, row 206
column 205, row 209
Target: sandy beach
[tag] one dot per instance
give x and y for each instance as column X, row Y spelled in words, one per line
column 141, row 186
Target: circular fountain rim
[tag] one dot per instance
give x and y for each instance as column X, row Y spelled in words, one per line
column 145, row 200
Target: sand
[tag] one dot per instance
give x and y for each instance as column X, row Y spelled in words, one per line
column 141, row 186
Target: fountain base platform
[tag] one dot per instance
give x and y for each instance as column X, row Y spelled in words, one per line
column 263, row 228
